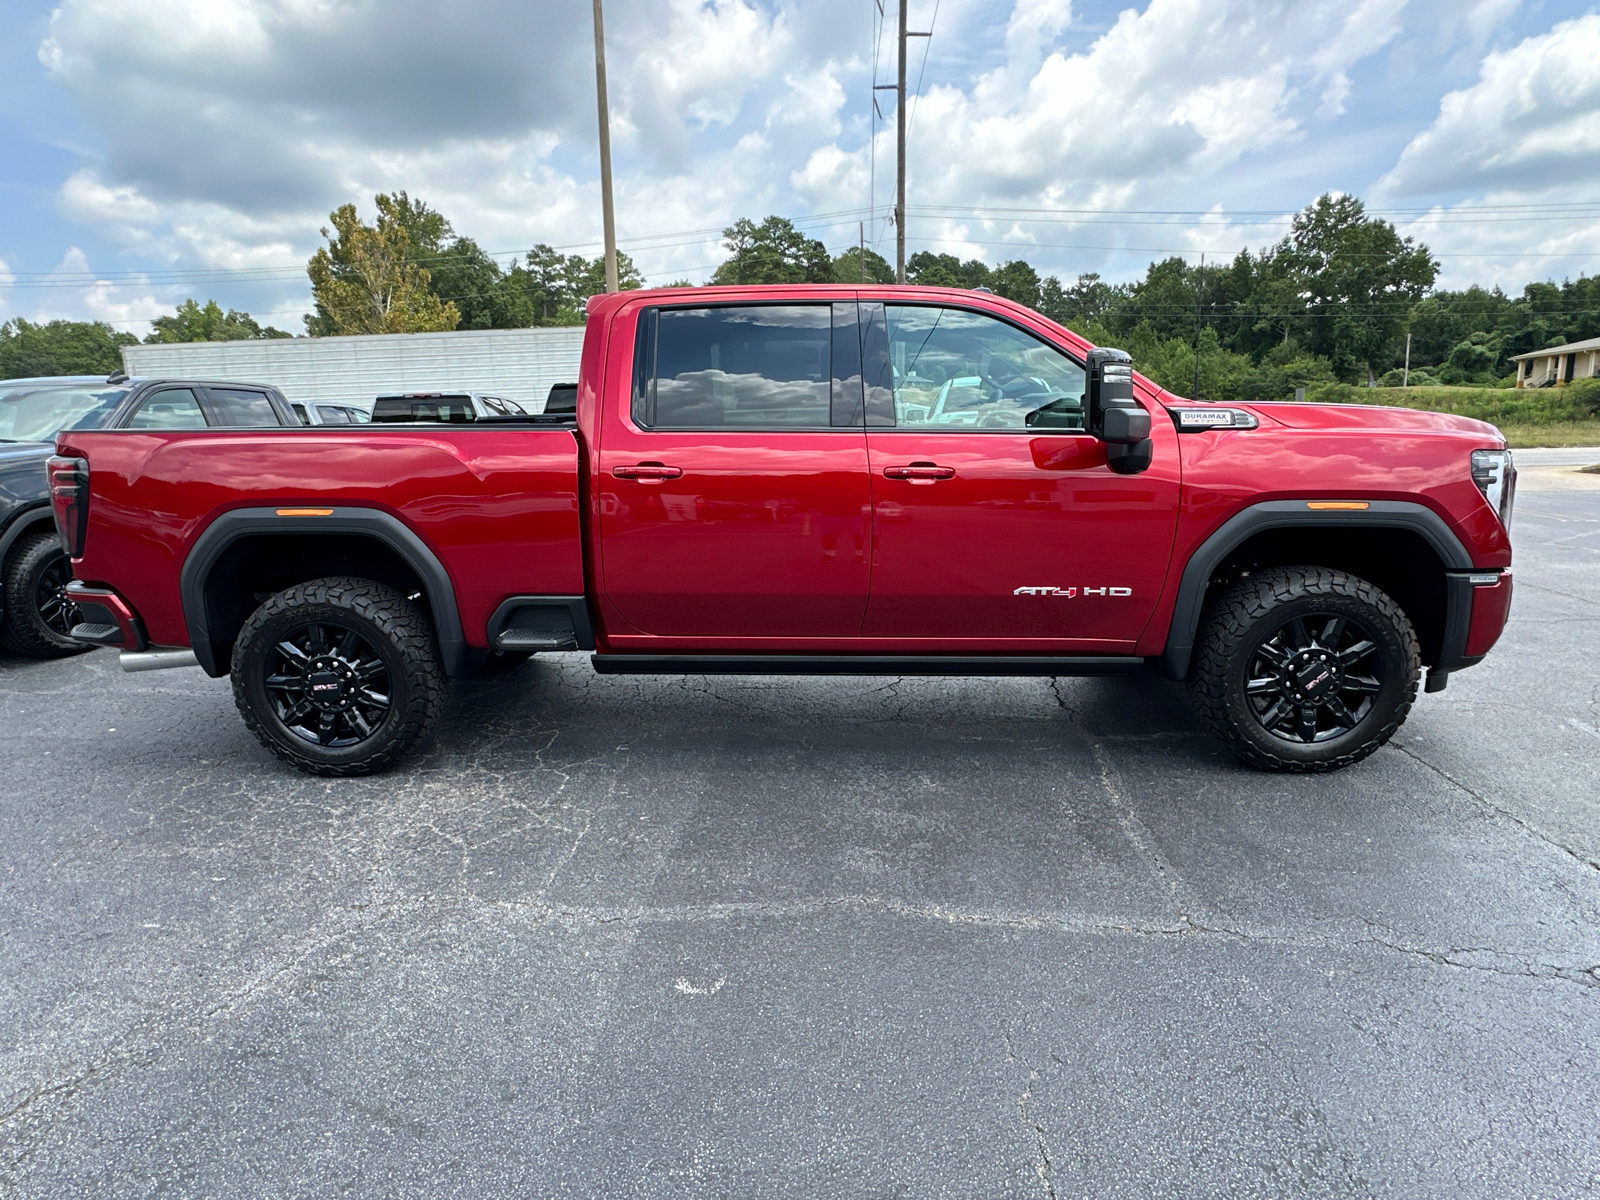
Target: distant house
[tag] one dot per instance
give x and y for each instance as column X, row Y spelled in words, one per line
column 1559, row 364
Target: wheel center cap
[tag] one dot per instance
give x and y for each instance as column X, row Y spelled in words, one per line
column 326, row 686
column 1317, row 676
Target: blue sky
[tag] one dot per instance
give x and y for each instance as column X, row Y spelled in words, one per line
column 159, row 149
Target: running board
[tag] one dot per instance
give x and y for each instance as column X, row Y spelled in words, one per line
column 856, row 664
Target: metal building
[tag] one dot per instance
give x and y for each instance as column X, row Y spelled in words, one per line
column 519, row 364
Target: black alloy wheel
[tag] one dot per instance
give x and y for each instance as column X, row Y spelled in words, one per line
column 1314, row 677
column 329, row 685
column 39, row 615
column 338, row 676
column 1304, row 668
column 56, row 609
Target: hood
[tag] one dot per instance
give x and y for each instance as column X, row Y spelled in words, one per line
column 1370, row 417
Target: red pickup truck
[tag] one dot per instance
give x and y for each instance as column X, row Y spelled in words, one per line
column 809, row 480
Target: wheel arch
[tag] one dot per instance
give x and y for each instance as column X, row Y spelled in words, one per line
column 247, row 551
column 1408, row 546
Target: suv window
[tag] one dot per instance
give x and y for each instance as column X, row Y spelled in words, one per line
column 956, row 370
column 756, row 367
column 241, row 407
column 170, row 408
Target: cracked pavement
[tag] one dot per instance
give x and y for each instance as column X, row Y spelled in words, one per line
column 771, row 938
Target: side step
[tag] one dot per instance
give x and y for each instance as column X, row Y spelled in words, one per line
column 533, row 623
column 857, row 664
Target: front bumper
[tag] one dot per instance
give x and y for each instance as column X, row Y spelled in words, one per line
column 1477, row 605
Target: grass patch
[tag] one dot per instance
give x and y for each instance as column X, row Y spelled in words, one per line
column 1566, row 433
column 1564, row 416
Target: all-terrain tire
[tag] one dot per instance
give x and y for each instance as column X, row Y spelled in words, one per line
column 389, row 652
column 1254, row 625
column 37, row 615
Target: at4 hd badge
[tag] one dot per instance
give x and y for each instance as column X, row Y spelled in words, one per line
column 1070, row 593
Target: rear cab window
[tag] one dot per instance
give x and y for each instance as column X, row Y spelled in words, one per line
column 753, row 367
column 240, row 408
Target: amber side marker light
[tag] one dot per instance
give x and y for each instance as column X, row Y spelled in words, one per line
column 328, row 512
column 1337, row 504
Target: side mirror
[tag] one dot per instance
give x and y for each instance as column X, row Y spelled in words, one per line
column 1114, row 415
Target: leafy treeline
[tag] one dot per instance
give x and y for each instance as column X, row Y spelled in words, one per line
column 1331, row 303
column 410, row 272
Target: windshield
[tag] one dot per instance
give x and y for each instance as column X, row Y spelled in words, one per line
column 36, row 414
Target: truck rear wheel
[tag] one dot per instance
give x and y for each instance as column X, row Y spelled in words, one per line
column 338, row 676
column 38, row 614
column 1305, row 669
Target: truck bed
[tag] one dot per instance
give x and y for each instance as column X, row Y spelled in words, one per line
column 498, row 505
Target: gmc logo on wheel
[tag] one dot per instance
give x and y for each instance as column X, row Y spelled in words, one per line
column 1069, row 593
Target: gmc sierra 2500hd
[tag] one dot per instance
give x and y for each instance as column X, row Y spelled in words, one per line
column 817, row 479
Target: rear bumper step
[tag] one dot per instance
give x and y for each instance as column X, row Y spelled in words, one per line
column 847, row 664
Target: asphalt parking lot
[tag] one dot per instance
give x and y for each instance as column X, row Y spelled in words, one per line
column 747, row 938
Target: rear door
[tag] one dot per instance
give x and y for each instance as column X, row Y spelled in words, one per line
column 996, row 517
column 733, row 475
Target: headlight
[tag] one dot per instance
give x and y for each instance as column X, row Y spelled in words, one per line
column 1496, row 477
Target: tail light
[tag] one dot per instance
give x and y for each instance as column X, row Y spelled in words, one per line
column 1496, row 477
column 69, row 497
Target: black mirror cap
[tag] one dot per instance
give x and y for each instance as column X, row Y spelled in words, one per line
column 1124, row 426
column 1131, row 458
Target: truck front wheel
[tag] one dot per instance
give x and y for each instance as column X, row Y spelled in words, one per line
column 338, row 676
column 1305, row 669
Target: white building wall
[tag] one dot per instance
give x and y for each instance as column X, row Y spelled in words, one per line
column 520, row 364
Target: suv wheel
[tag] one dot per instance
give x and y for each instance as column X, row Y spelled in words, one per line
column 1305, row 669
column 338, row 676
column 38, row 614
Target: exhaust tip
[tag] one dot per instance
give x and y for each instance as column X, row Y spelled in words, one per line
column 156, row 660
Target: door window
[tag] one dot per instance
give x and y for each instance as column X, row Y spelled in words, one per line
column 958, row 371
column 756, row 367
column 241, row 407
column 332, row 414
column 170, row 408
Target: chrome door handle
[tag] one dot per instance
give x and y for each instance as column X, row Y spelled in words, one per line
column 921, row 472
column 647, row 472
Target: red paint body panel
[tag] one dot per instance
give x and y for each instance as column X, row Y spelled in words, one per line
column 1354, row 453
column 1491, row 606
column 754, row 547
column 499, row 508
column 1020, row 511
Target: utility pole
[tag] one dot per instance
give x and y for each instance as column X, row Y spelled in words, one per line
column 900, row 157
column 608, row 214
column 899, row 89
column 1405, row 380
column 1199, row 275
column 861, row 229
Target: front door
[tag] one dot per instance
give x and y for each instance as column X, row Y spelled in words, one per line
column 995, row 517
column 733, row 493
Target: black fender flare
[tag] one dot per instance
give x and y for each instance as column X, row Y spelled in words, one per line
column 459, row 658
column 1287, row 514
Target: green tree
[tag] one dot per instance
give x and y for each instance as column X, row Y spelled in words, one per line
column 847, row 267
column 1018, row 281
column 364, row 280
column 927, row 269
column 772, row 252
column 60, row 348
column 192, row 323
column 1358, row 280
